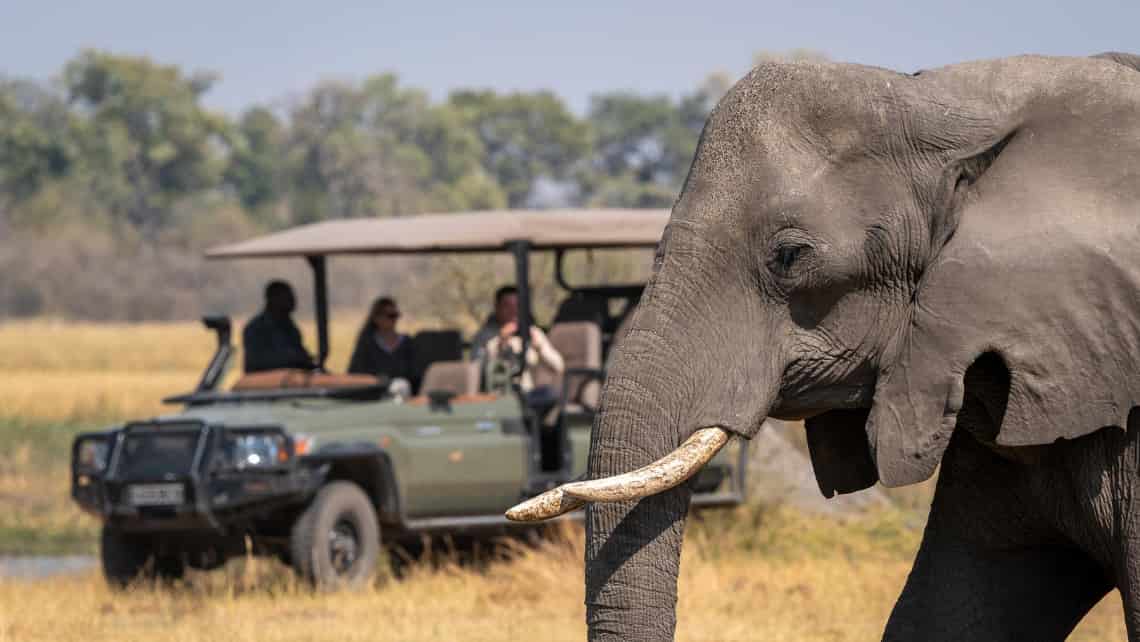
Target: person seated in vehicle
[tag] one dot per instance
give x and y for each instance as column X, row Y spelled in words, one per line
column 381, row 350
column 501, row 351
column 271, row 340
column 506, row 310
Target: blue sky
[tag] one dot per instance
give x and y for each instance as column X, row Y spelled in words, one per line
column 267, row 52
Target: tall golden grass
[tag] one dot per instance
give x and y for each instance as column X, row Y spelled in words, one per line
column 99, row 372
column 839, row 588
column 748, row 574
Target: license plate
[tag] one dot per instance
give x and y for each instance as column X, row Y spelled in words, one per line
column 155, row 494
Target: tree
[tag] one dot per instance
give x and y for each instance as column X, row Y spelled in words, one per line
column 381, row 149
column 256, row 162
column 35, row 142
column 643, row 146
column 525, row 136
column 148, row 140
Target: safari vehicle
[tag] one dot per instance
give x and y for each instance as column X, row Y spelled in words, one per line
column 313, row 466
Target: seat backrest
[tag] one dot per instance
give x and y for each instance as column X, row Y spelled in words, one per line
column 580, row 344
column 457, row 377
column 429, row 346
column 582, row 307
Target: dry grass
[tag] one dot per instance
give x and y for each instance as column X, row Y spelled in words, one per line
column 838, row 588
column 57, row 371
column 36, row 514
column 766, row 574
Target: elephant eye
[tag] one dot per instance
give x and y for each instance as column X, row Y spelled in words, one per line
column 785, row 257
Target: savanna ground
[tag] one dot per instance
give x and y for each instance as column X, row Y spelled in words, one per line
column 754, row 573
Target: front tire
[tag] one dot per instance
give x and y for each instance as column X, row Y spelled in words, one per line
column 335, row 543
column 128, row 556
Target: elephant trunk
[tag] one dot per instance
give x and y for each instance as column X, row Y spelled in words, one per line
column 661, row 419
column 633, row 547
column 696, row 366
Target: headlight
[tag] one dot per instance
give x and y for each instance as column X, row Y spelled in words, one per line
column 91, row 454
column 256, row 450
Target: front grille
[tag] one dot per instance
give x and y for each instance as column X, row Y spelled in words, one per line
column 158, row 452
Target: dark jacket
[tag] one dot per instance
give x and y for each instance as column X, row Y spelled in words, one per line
column 270, row 343
column 369, row 358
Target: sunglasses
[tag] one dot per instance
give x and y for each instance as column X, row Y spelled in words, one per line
column 390, row 315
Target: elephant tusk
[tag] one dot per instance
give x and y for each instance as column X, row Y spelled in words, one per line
column 663, row 474
column 552, row 503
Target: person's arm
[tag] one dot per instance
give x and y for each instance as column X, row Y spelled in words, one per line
column 262, row 352
column 548, row 355
column 256, row 348
column 360, row 363
column 295, row 355
column 479, row 342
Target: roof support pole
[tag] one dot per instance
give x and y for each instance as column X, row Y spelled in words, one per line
column 321, row 305
column 559, row 275
column 520, row 250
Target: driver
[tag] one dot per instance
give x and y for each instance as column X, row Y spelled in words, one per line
column 271, row 340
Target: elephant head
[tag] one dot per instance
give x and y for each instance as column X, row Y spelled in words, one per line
column 848, row 242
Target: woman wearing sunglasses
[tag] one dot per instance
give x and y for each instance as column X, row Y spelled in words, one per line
column 380, row 349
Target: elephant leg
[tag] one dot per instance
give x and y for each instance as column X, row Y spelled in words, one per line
column 958, row 593
column 1128, row 572
column 1130, row 596
column 991, row 565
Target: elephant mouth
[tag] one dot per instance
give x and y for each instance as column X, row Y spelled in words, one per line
column 796, row 406
column 665, row 473
column 684, row 461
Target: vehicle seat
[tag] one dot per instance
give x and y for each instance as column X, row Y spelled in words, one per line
column 580, row 344
column 582, row 307
column 457, row 377
column 430, row 346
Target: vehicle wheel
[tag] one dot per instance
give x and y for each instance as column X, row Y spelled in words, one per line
column 335, row 543
column 127, row 556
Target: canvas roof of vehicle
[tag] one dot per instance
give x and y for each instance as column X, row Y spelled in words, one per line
column 485, row 231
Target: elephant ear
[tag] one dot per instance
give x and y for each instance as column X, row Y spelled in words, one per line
column 1041, row 267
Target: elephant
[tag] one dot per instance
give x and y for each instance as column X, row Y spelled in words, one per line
column 933, row 270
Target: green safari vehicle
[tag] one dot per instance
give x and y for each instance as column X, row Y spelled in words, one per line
column 320, row 469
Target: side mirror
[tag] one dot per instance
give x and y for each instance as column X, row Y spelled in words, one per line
column 221, row 326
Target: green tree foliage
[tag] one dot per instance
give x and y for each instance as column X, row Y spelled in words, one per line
column 256, row 170
column 380, row 149
column 116, row 167
column 525, row 137
column 643, row 145
column 35, row 142
column 147, row 139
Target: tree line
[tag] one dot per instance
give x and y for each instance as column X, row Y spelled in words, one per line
column 128, row 143
column 118, row 156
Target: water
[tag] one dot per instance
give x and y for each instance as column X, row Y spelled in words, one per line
column 39, row 566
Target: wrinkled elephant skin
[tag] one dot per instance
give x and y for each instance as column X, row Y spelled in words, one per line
column 941, row 267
